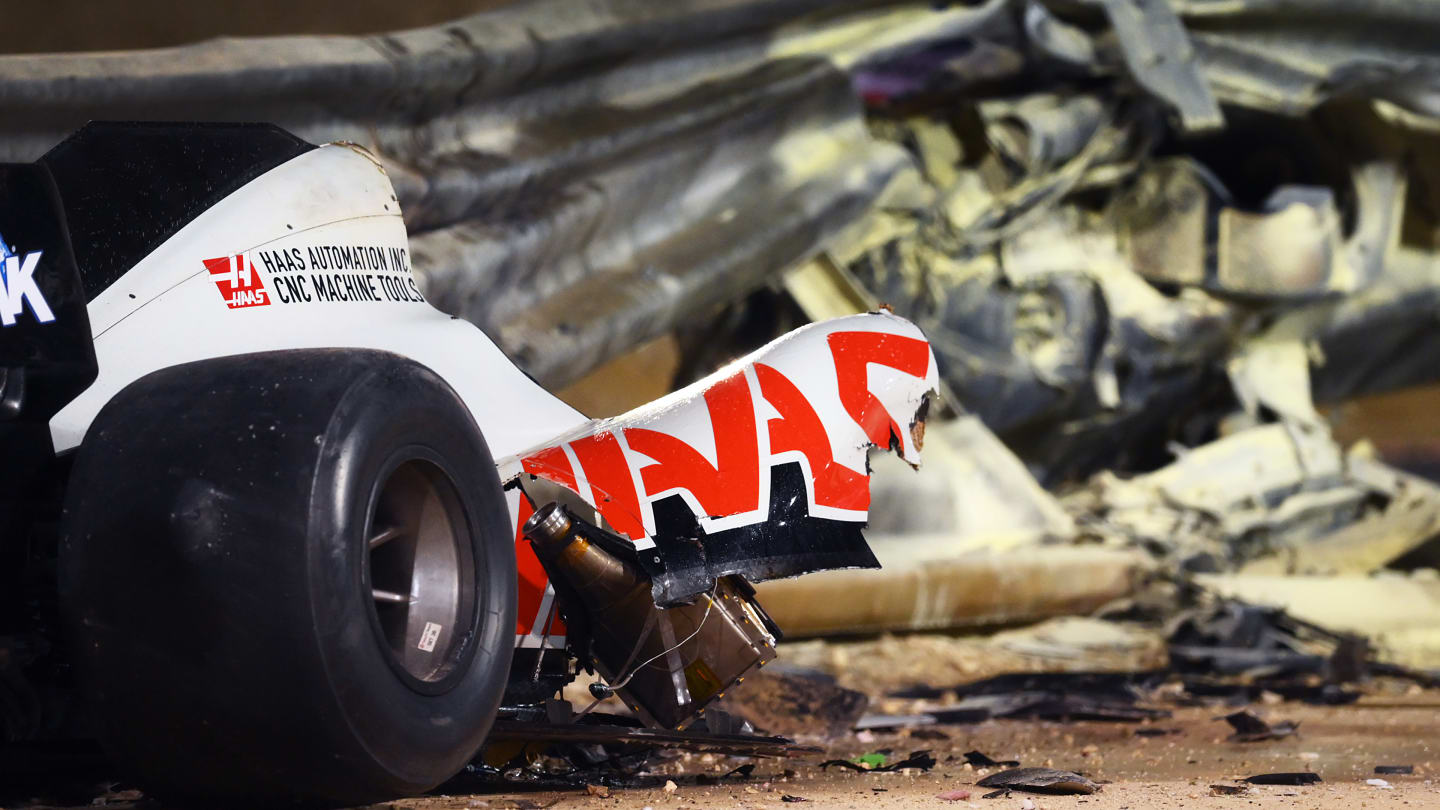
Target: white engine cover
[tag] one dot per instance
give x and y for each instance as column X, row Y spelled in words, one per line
column 312, row 254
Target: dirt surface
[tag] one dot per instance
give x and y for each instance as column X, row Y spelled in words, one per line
column 1394, row 724
column 1341, row 744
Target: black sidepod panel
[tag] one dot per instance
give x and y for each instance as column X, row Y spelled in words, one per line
column 127, row 187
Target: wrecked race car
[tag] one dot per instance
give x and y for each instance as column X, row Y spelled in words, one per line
column 289, row 564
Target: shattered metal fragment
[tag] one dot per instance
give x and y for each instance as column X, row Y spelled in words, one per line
column 742, row 772
column 1395, row 770
column 886, row 722
column 1061, row 696
column 1148, row 31
column 1211, row 691
column 960, row 716
column 1040, row 780
column 842, row 763
column 1232, row 637
column 737, row 745
column 1293, row 779
column 980, row 760
column 921, row 760
column 1250, row 728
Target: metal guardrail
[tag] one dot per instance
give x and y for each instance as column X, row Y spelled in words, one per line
column 581, row 177
column 577, row 178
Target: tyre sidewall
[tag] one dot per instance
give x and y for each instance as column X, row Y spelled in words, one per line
column 212, row 565
column 407, row 727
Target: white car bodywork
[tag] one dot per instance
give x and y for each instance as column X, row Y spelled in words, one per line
column 313, row 254
column 167, row 309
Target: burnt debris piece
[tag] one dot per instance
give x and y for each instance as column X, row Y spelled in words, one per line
column 1293, row 779
column 1227, row 650
column 1230, row 637
column 1040, row 780
column 980, row 760
column 1059, row 696
column 1250, row 728
column 610, row 732
column 1151, row 731
column 602, row 750
column 920, row 760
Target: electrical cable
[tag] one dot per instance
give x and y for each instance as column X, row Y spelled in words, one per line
column 603, row 691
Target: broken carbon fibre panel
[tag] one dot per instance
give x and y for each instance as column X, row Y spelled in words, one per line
column 759, row 469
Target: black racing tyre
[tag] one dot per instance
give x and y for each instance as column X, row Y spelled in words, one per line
column 289, row 576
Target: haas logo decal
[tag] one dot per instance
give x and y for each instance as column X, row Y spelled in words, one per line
column 717, row 450
column 238, row 282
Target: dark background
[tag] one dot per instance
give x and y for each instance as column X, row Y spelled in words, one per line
column 100, row 25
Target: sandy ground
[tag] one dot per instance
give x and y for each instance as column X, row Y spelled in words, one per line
column 1394, row 724
column 1342, row 744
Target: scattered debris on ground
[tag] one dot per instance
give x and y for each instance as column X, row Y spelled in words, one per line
column 876, row 763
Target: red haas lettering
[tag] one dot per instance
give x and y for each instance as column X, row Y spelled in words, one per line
column 238, row 282
column 729, row 487
column 825, row 423
column 799, row 429
column 664, row 462
column 611, row 487
column 853, row 353
column 552, row 465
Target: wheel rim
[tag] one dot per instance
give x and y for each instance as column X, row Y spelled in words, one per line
column 420, row 570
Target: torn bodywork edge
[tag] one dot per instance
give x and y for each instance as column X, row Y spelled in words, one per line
column 759, row 469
